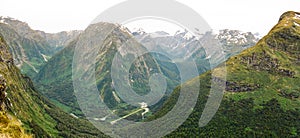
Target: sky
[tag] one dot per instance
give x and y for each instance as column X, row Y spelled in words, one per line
column 63, row 15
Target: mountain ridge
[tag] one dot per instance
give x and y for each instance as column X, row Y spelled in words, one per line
column 262, row 96
column 30, row 48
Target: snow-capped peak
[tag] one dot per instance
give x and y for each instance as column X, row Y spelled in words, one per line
column 138, row 31
column 184, row 34
column 236, row 36
column 188, row 36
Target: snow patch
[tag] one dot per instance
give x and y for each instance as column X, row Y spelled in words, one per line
column 139, row 31
column 297, row 16
column 208, row 57
column 185, row 34
column 296, row 24
column 45, row 57
column 125, row 29
column 116, row 97
column 3, row 21
column 73, row 115
column 188, row 36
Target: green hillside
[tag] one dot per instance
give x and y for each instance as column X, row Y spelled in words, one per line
column 55, row 78
column 37, row 115
column 262, row 96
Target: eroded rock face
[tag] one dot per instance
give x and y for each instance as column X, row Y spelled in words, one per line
column 232, row 86
column 2, row 92
column 264, row 62
column 240, row 87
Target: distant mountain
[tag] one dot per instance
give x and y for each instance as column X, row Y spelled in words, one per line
column 24, row 112
column 60, row 40
column 186, row 46
column 55, row 78
column 32, row 48
column 262, row 95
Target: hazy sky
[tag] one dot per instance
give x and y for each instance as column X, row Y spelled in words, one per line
column 59, row 15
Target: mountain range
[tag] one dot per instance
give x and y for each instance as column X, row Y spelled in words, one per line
column 261, row 95
column 55, row 78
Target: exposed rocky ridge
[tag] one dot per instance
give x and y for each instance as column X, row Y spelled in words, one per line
column 6, row 58
column 2, row 93
column 264, row 62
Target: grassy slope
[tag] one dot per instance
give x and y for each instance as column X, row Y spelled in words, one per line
column 11, row 127
column 270, row 110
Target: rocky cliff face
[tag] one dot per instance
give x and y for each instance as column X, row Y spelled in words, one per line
column 6, row 58
column 2, row 93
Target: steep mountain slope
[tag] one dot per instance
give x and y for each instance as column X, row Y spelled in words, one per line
column 32, row 48
column 9, row 125
column 262, row 96
column 28, row 54
column 37, row 115
column 55, row 78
